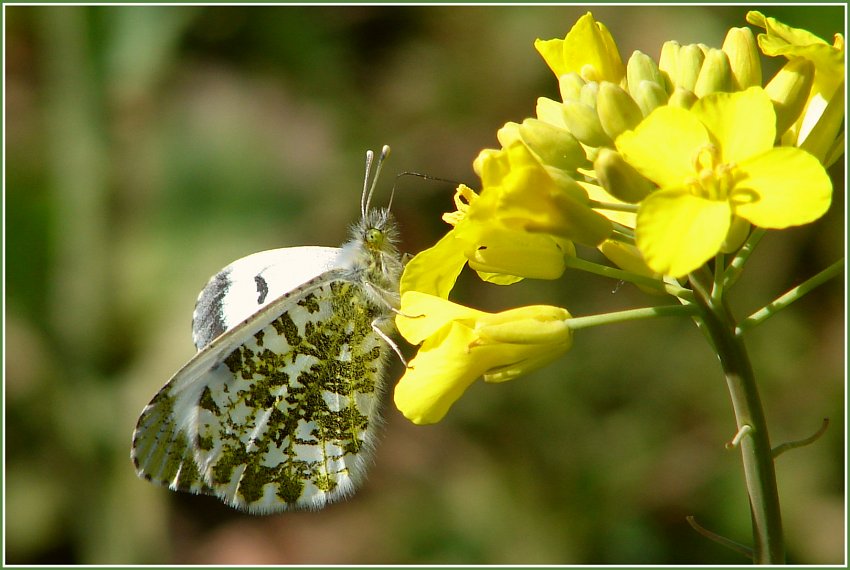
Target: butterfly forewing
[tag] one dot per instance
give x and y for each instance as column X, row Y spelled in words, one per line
column 250, row 283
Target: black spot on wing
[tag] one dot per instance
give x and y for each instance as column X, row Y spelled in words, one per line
column 208, row 320
column 262, row 289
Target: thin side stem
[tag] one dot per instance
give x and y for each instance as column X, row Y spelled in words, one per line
column 737, row 264
column 619, row 274
column 731, row 544
column 576, row 323
column 794, row 294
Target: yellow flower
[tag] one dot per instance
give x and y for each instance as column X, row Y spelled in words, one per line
column 519, row 193
column 522, row 225
column 822, row 119
column 460, row 344
column 499, row 254
column 715, row 164
column 588, row 49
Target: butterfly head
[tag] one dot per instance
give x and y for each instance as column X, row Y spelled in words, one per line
column 372, row 248
column 376, row 231
column 376, row 236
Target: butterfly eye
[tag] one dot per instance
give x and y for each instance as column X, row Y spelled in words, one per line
column 374, row 237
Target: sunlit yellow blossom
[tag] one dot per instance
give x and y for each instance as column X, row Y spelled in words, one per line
column 822, row 119
column 521, row 225
column 588, row 49
column 712, row 163
column 521, row 194
column 460, row 344
column 500, row 254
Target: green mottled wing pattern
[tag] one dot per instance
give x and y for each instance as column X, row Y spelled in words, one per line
column 279, row 412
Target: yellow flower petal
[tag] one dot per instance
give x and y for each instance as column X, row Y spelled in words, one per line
column 513, row 252
column 663, row 146
column 462, row 344
column 588, row 49
column 498, row 278
column 436, row 269
column 520, row 194
column 512, row 371
column 553, row 54
column 677, row 232
column 780, row 38
column 535, row 324
column 743, row 124
column 627, row 257
column 437, row 376
column 422, row 315
column 783, row 187
column 784, row 40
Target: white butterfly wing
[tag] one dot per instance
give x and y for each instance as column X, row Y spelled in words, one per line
column 275, row 412
column 251, row 283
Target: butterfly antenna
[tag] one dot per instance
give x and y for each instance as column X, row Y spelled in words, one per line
column 427, row 177
column 364, row 201
column 419, row 175
column 385, row 152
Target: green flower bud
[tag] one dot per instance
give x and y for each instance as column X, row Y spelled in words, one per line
column 740, row 47
column 714, row 75
column 589, row 93
column 668, row 64
column 641, row 67
column 553, row 146
column 583, row 122
column 649, row 95
column 619, row 178
column 617, row 111
column 689, row 63
column 508, row 133
column 550, row 111
column 682, row 98
column 789, row 90
column 570, row 85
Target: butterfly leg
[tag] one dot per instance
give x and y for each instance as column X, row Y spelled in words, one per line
column 388, row 340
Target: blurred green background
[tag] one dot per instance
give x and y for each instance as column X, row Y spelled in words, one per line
column 147, row 147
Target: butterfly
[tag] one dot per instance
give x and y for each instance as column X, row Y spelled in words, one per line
column 279, row 408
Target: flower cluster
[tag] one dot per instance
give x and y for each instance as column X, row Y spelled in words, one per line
column 661, row 165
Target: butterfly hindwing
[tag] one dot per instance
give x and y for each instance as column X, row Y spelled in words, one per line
column 279, row 412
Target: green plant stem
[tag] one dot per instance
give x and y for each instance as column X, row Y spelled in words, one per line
column 755, row 446
column 794, row 294
column 782, row 448
column 731, row 544
column 631, row 315
column 619, row 274
column 736, row 266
